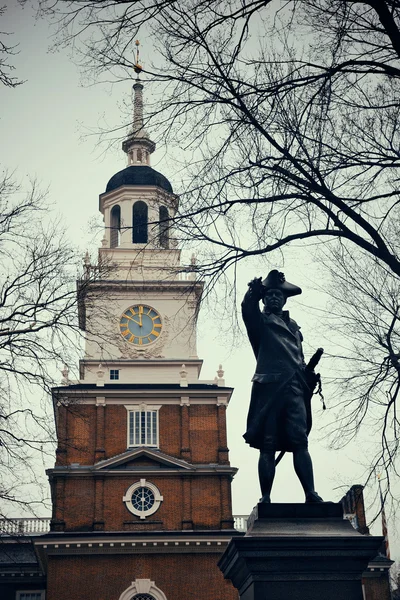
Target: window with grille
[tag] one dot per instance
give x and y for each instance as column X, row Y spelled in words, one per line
column 114, row 374
column 143, row 597
column 143, row 498
column 143, row 428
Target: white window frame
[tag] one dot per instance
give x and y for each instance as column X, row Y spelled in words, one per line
column 138, row 409
column 19, row 594
column 128, row 498
column 117, row 371
column 143, row 586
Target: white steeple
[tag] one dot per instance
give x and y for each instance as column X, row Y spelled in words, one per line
column 147, row 285
column 138, row 146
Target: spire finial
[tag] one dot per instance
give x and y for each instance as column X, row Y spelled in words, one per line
column 138, row 146
column 137, row 67
column 138, row 110
column 138, row 100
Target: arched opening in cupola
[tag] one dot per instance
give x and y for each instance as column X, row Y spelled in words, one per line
column 140, row 223
column 115, row 226
column 164, row 227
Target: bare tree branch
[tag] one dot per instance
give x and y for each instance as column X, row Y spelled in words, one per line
column 7, row 51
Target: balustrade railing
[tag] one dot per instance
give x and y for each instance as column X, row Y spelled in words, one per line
column 187, row 275
column 28, row 526
column 240, row 522
column 41, row 525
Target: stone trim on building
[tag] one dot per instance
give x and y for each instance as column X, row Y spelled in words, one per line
column 143, row 586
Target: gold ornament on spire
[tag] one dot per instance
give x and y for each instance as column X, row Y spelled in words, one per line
column 137, row 66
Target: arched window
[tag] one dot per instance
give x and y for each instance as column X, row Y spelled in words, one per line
column 139, row 223
column 115, row 226
column 143, row 589
column 164, row 226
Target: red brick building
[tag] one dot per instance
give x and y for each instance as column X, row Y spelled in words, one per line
column 141, row 487
column 376, row 579
column 142, row 513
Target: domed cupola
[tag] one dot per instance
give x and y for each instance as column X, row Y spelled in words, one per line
column 138, row 204
column 138, row 146
column 139, row 175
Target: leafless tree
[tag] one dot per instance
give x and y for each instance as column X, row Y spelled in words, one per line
column 284, row 118
column 287, row 114
column 363, row 321
column 7, row 51
column 39, row 331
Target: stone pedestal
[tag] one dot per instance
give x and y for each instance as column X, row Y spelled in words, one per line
column 299, row 552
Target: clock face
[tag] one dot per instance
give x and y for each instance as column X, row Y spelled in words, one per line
column 140, row 325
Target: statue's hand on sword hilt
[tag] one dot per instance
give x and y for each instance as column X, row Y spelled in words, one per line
column 314, row 379
column 314, row 360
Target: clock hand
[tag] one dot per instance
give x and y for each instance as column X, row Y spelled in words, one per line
column 131, row 319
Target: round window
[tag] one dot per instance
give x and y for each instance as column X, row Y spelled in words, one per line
column 142, row 499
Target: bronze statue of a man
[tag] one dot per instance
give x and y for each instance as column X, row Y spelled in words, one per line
column 280, row 413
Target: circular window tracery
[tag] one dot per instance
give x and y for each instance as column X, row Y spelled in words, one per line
column 143, row 499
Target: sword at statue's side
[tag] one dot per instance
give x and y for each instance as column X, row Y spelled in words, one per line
column 314, row 360
column 313, row 380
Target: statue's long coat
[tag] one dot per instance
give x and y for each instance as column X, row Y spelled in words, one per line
column 276, row 342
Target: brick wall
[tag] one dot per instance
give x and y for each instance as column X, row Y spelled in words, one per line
column 204, row 501
column 90, row 433
column 180, row 576
column 78, row 432
column 377, row 588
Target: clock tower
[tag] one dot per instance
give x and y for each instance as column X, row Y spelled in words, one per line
column 141, row 487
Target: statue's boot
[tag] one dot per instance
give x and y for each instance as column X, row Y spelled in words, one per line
column 266, row 499
column 312, row 497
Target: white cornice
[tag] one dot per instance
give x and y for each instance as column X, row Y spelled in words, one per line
column 193, row 286
column 149, row 362
column 140, row 471
column 111, row 542
column 138, row 395
column 144, row 192
column 130, row 543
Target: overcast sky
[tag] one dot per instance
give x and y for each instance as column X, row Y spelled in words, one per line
column 42, row 128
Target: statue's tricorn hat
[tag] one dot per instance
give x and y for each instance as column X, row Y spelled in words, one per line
column 276, row 281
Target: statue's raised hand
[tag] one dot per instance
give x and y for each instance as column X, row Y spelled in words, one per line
column 256, row 288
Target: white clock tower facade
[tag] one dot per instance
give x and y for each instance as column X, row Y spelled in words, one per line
column 140, row 320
